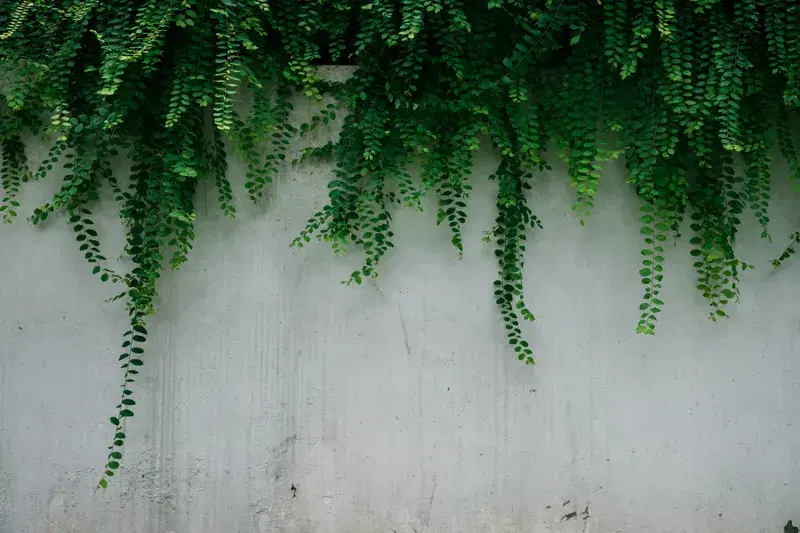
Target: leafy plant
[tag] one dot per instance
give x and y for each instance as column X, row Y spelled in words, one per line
column 684, row 89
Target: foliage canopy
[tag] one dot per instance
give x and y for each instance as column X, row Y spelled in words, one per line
column 680, row 88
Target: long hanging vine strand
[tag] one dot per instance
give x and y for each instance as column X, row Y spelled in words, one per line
column 695, row 94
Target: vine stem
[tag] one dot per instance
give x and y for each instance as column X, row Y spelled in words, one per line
column 137, row 327
column 535, row 45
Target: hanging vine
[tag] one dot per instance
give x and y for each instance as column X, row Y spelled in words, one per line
column 695, row 94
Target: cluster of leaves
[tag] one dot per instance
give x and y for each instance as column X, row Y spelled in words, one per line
column 687, row 90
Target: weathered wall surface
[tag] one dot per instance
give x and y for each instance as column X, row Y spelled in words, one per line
column 396, row 406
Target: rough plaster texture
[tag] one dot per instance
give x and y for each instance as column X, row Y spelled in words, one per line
column 396, row 406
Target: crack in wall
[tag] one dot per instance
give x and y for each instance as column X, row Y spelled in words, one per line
column 405, row 331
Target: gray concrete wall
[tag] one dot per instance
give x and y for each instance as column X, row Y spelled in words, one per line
column 396, row 406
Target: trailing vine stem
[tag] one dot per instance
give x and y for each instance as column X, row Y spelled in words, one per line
column 681, row 88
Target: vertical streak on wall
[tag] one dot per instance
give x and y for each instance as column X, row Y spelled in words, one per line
column 5, row 463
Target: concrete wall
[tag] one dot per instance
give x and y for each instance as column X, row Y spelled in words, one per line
column 396, row 406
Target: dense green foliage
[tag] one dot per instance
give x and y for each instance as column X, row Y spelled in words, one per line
column 686, row 90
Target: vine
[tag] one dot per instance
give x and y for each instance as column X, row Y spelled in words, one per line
column 695, row 94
